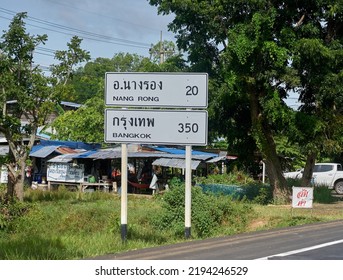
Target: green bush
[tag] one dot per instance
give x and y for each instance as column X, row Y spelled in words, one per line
column 11, row 210
column 233, row 178
column 209, row 213
column 322, row 194
column 258, row 193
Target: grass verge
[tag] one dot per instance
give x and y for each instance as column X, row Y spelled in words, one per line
column 71, row 225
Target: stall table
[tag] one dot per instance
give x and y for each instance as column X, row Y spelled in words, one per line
column 82, row 186
column 105, row 185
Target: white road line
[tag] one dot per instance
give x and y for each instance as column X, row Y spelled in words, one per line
column 302, row 250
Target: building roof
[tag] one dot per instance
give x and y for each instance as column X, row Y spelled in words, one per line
column 42, row 151
column 221, row 158
column 176, row 151
column 47, row 147
column 175, row 162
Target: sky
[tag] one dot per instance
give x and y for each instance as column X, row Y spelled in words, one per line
column 107, row 27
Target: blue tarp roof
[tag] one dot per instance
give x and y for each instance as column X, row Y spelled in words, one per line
column 176, row 151
column 70, row 144
column 85, row 154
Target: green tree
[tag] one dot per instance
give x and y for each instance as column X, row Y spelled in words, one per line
column 85, row 124
column 35, row 95
column 257, row 51
column 88, row 80
column 317, row 58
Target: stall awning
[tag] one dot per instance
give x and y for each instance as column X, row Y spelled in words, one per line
column 62, row 158
column 181, row 153
column 217, row 159
column 175, row 162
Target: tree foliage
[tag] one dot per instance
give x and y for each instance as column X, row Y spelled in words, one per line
column 257, row 51
column 26, row 93
column 85, row 124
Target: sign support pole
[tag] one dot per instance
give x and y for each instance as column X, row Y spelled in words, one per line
column 124, row 192
column 188, row 191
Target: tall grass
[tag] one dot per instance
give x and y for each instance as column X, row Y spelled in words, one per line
column 73, row 225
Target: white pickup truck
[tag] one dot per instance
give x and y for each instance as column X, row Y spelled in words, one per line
column 324, row 174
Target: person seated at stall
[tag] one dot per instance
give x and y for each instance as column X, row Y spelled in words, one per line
column 116, row 177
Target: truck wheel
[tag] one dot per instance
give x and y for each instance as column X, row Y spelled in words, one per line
column 339, row 187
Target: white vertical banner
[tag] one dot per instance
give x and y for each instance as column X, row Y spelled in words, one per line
column 302, row 197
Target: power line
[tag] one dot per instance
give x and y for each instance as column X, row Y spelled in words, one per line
column 84, row 34
column 102, row 15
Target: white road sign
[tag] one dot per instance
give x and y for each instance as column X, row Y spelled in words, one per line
column 156, row 127
column 177, row 90
column 302, row 197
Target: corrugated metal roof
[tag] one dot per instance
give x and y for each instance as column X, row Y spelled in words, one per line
column 175, row 162
column 216, row 159
column 71, row 104
column 104, row 154
column 66, row 150
column 40, row 151
column 63, row 158
column 113, row 153
column 176, row 151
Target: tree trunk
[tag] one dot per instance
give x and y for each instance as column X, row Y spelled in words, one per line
column 263, row 135
column 308, row 170
column 10, row 187
column 16, row 176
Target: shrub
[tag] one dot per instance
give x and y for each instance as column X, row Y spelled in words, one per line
column 233, row 178
column 258, row 193
column 11, row 210
column 209, row 213
column 322, row 194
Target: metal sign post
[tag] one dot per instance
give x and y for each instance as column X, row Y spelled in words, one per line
column 188, row 191
column 123, row 192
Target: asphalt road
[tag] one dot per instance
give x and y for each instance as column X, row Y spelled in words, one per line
column 320, row 241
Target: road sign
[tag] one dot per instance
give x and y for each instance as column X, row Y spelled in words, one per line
column 176, row 127
column 176, row 90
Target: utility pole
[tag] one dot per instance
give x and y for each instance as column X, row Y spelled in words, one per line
column 161, row 49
